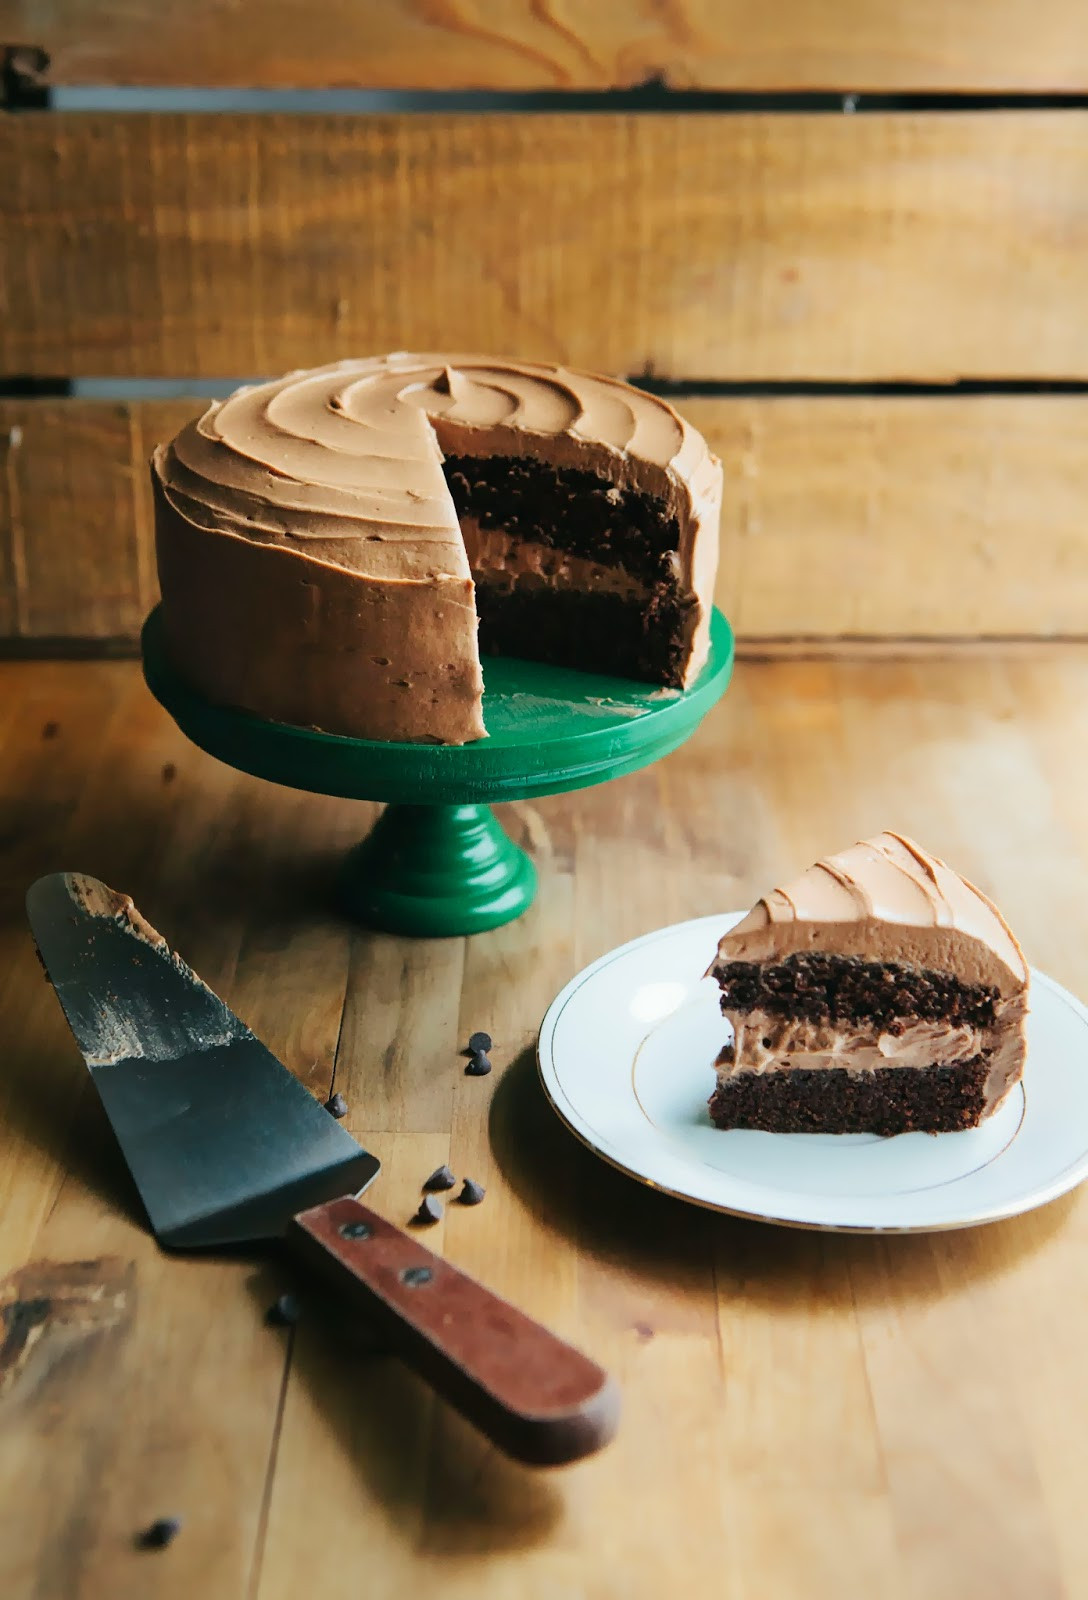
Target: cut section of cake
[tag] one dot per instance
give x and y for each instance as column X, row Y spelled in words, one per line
column 879, row 992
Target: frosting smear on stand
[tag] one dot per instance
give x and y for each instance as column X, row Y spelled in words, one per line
column 328, row 542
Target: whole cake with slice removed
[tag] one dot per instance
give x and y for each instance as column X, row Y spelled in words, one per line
column 879, row 992
column 337, row 547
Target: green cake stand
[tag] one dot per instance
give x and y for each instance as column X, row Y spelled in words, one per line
column 437, row 863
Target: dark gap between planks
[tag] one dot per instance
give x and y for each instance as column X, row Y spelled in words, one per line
column 24, row 85
column 19, row 387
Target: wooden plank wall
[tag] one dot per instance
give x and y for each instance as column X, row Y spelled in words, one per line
column 917, row 517
column 689, row 245
column 566, row 44
column 810, row 282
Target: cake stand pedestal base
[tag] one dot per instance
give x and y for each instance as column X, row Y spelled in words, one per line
column 437, row 863
column 437, row 871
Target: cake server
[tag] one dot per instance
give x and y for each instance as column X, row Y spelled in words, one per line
column 227, row 1147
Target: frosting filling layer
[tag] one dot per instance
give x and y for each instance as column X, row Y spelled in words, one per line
column 764, row 1042
column 499, row 558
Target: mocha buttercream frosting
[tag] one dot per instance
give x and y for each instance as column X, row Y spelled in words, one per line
column 311, row 561
column 883, row 900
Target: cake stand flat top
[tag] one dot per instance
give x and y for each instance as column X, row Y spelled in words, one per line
column 550, row 729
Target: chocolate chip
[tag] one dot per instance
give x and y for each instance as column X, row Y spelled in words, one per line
column 50, row 730
column 26, row 65
column 479, row 1044
column 471, row 1193
column 336, row 1106
column 285, row 1313
column 169, row 772
column 430, row 1210
column 163, row 1531
column 478, row 1067
column 440, row 1178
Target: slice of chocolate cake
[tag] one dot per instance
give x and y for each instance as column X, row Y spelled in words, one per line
column 879, row 992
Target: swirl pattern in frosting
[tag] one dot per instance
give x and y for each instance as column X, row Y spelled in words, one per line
column 900, row 898
column 351, row 453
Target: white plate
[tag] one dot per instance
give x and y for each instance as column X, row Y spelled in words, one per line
column 626, row 1055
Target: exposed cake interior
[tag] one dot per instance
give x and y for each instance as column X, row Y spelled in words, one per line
column 881, row 1046
column 574, row 568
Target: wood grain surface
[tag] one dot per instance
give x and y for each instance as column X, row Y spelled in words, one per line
column 862, row 516
column 806, row 1415
column 923, row 246
column 560, row 44
column 77, row 545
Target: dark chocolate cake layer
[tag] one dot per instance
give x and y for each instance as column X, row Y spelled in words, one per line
column 592, row 630
column 567, row 509
column 832, row 1100
column 817, row 987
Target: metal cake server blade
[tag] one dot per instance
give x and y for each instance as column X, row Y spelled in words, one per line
column 224, row 1144
column 227, row 1147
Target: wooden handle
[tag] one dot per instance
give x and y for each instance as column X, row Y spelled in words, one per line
column 537, row 1398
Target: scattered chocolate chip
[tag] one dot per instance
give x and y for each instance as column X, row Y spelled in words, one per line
column 169, row 772
column 440, row 1178
column 479, row 1044
column 163, row 1531
column 478, row 1067
column 50, row 730
column 285, row 1313
column 430, row 1210
column 471, row 1193
column 336, row 1106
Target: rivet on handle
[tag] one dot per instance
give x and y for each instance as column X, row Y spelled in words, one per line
column 356, row 1230
column 415, row 1276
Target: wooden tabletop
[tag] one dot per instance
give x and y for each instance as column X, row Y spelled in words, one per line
column 805, row 1415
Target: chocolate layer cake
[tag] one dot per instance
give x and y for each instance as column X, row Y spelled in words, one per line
column 337, row 547
column 879, row 992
